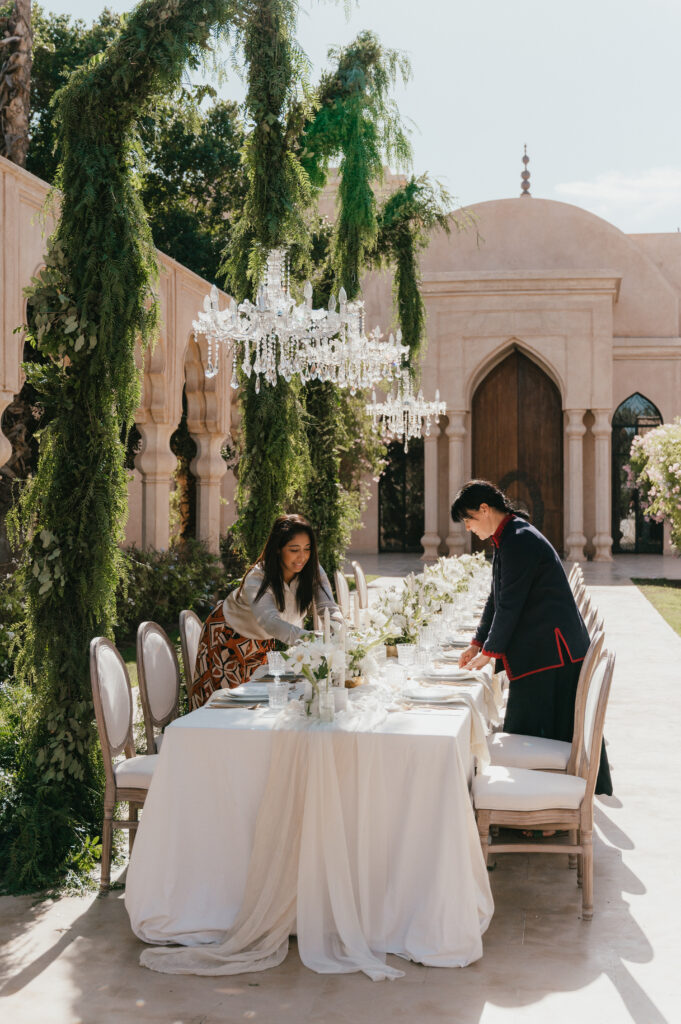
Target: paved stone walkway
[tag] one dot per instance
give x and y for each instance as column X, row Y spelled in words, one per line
column 76, row 960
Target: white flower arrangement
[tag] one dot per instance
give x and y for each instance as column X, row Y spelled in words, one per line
column 404, row 608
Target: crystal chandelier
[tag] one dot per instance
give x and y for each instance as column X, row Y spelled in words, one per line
column 402, row 416
column 276, row 337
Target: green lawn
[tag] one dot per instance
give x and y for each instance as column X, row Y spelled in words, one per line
column 665, row 595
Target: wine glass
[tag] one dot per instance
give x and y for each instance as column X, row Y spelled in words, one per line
column 275, row 663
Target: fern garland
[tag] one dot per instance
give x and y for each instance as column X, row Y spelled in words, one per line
column 92, row 302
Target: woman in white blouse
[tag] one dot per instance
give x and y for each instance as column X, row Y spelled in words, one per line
column 271, row 604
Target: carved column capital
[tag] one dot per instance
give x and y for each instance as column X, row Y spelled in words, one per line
column 575, row 425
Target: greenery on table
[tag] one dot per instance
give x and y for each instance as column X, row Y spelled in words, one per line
column 665, row 596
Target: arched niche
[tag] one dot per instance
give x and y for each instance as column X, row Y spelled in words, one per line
column 517, row 438
column 632, row 533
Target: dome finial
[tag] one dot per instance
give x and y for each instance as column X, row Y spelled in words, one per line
column 525, row 176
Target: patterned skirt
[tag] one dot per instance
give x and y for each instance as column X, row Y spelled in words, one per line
column 224, row 659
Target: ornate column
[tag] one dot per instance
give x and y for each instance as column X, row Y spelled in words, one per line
column 157, row 464
column 456, row 432
column 208, row 467
column 431, row 538
column 602, row 432
column 6, row 398
column 575, row 539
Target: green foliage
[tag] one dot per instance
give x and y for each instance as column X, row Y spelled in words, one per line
column 358, row 120
column 194, row 179
column 60, row 45
column 278, row 187
column 191, row 172
column 272, row 465
column 405, row 223
column 92, row 303
column 160, row 584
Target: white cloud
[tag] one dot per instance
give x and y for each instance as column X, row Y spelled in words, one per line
column 647, row 200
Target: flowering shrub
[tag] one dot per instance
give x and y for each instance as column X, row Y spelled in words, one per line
column 656, row 467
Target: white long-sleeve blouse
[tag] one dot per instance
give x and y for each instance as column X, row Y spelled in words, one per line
column 262, row 620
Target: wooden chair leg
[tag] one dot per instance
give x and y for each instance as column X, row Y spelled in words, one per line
column 483, row 823
column 572, row 857
column 133, row 812
column 107, row 830
column 587, row 876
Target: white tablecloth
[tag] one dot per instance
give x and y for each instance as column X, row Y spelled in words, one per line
column 372, row 846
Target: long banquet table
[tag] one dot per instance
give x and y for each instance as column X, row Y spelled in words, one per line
column 360, row 842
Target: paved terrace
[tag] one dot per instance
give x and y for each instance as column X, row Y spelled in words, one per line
column 75, row 960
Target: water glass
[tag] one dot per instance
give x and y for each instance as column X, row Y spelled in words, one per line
column 395, row 676
column 406, row 654
column 277, row 693
column 327, row 705
column 276, row 664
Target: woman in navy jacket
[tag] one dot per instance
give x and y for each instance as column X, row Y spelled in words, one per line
column 530, row 625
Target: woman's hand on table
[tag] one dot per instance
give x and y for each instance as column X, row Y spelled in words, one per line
column 471, row 652
column 473, row 659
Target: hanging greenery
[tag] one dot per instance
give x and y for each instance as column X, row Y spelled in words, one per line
column 273, row 458
column 356, row 120
column 405, row 223
column 92, row 304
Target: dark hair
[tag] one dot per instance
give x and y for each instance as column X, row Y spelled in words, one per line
column 481, row 492
column 269, row 560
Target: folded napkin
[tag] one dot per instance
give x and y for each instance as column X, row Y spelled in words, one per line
column 450, row 696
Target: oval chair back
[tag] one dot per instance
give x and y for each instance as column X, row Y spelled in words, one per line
column 596, row 702
column 342, row 593
column 588, row 666
column 158, row 674
column 190, row 634
column 112, row 698
column 361, row 584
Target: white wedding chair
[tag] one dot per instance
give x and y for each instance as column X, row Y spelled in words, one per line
column 190, row 634
column 584, row 605
column 594, row 621
column 514, row 750
column 519, row 798
column 576, row 576
column 361, row 585
column 158, row 674
column 342, row 593
column 128, row 780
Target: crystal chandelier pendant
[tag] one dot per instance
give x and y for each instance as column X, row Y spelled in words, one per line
column 277, row 338
column 403, row 416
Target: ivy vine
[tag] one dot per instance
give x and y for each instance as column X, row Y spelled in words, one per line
column 92, row 304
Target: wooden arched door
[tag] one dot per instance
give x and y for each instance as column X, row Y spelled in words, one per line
column 517, row 425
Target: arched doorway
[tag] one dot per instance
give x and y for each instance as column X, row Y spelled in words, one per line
column 517, row 427
column 631, row 532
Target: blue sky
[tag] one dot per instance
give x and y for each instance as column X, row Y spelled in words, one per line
column 593, row 87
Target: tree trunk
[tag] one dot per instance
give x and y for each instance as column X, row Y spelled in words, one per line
column 15, row 82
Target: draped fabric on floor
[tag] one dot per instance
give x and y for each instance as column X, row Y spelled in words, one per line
column 364, row 844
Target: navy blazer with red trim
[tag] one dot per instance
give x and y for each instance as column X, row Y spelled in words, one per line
column 530, row 621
